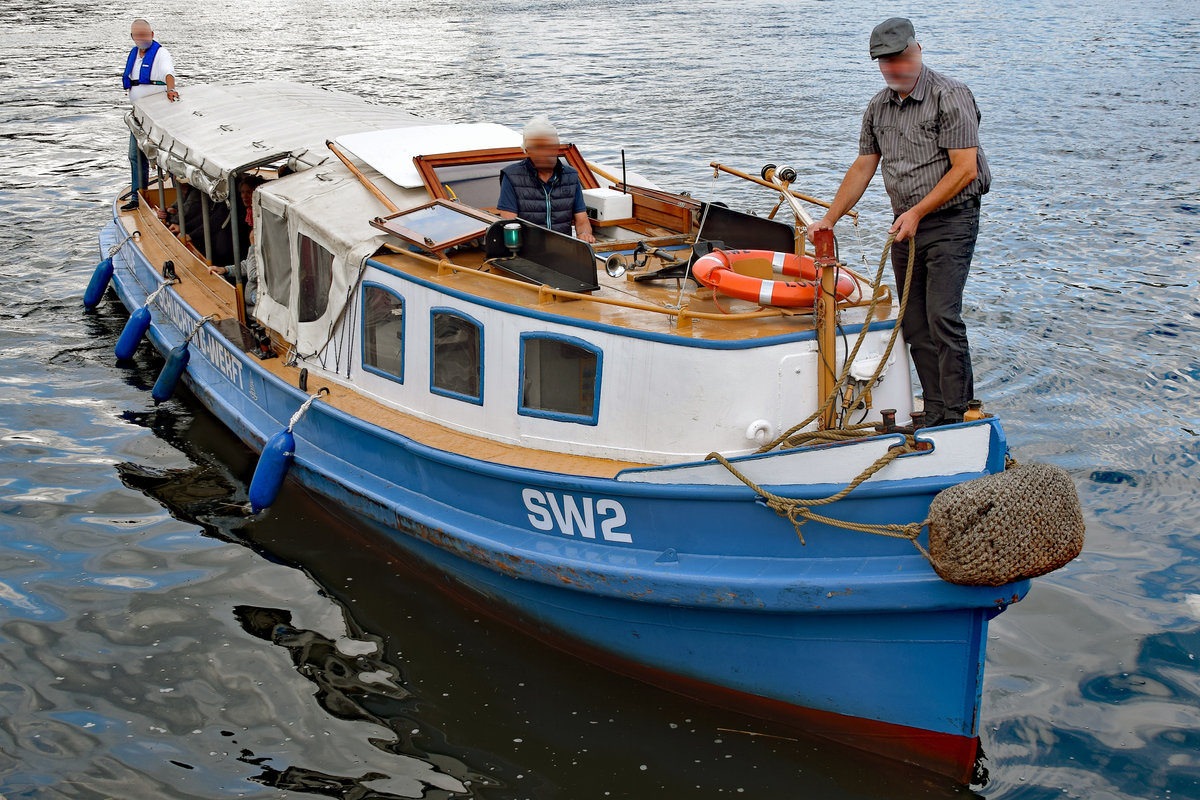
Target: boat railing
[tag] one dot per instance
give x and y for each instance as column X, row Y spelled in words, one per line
column 683, row 315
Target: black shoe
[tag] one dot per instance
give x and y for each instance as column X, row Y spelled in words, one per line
column 131, row 205
column 950, row 419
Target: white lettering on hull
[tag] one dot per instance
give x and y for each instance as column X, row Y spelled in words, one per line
column 208, row 345
column 569, row 514
column 220, row 357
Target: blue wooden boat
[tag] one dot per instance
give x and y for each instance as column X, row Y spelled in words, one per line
column 534, row 421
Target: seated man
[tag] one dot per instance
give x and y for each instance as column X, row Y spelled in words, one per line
column 193, row 214
column 246, row 186
column 542, row 189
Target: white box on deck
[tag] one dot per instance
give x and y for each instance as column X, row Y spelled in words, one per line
column 608, row 204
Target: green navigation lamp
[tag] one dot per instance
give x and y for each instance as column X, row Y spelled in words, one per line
column 512, row 237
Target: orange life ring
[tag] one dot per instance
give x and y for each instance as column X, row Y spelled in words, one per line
column 716, row 270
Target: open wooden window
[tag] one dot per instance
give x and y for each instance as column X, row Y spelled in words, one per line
column 472, row 177
column 436, row 225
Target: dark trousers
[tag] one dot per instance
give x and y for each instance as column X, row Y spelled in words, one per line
column 933, row 325
column 139, row 166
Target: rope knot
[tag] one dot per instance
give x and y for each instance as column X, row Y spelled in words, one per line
column 792, row 512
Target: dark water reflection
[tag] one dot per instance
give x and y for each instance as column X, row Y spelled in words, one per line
column 154, row 642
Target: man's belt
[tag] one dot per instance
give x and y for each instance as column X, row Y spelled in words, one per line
column 148, row 83
column 963, row 206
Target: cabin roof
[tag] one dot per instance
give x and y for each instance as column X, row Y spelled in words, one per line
column 391, row 151
column 213, row 130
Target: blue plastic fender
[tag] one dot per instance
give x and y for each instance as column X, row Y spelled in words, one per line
column 98, row 284
column 272, row 468
column 132, row 333
column 177, row 361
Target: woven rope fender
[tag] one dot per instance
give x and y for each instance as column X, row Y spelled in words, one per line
column 1017, row 524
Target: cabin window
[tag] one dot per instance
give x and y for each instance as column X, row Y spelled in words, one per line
column 560, row 379
column 316, row 276
column 383, row 332
column 276, row 257
column 456, row 356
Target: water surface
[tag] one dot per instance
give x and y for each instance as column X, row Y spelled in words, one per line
column 154, row 643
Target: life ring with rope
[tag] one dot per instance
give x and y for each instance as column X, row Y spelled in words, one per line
column 717, row 270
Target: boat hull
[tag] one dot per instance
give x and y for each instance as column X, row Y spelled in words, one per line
column 691, row 585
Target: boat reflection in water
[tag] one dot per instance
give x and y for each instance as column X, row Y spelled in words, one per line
column 433, row 670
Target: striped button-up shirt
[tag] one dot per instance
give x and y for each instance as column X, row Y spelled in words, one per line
column 913, row 134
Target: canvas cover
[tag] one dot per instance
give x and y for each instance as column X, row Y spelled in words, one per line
column 332, row 208
column 213, row 130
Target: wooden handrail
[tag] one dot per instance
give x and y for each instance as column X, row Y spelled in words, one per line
column 607, row 176
column 776, row 187
column 444, row 266
column 543, row 289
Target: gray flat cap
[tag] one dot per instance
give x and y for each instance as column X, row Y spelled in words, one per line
column 892, row 37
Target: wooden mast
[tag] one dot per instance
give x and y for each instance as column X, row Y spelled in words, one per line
column 826, row 261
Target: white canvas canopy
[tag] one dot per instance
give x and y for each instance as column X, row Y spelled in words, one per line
column 331, row 209
column 312, row 231
column 212, row 131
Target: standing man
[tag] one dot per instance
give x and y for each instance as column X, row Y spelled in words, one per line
column 924, row 128
column 149, row 69
column 542, row 189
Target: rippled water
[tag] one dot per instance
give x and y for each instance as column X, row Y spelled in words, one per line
column 155, row 644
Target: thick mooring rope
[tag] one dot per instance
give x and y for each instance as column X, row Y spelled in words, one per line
column 990, row 531
column 785, row 437
column 798, row 512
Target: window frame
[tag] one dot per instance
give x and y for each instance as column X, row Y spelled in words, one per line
column 427, row 165
column 403, row 333
column 454, row 312
column 301, row 236
column 558, row 416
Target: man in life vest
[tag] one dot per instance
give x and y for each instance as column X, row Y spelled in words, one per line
column 542, row 189
column 924, row 129
column 149, row 69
